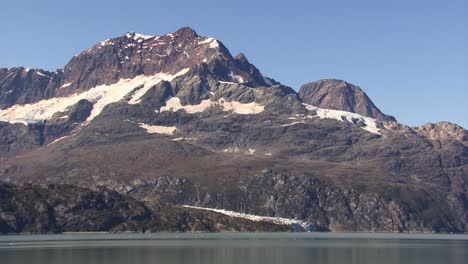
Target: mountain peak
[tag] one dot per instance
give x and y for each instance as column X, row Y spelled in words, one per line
column 340, row 95
column 241, row 58
column 137, row 36
column 186, row 31
column 443, row 130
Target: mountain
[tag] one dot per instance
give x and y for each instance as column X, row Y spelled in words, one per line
column 340, row 95
column 185, row 123
column 126, row 57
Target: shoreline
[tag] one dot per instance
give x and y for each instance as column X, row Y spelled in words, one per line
column 165, row 236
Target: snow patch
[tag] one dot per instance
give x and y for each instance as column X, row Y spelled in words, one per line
column 237, row 78
column 65, row 85
column 173, row 104
column 59, row 139
column 183, row 138
column 303, row 226
column 223, row 82
column 213, row 43
column 137, row 36
column 232, row 150
column 41, row 74
column 135, row 99
column 105, row 43
column 241, row 108
column 293, row 123
column 368, row 123
column 250, row 151
column 101, row 96
column 166, row 130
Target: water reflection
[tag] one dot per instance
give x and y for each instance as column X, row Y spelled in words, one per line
column 270, row 250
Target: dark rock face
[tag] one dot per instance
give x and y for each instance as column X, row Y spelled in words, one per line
column 325, row 206
column 340, row 95
column 64, row 208
column 134, row 54
column 19, row 138
column 202, row 83
column 63, row 124
column 23, row 86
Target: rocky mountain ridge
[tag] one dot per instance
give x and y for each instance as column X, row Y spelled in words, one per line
column 126, row 57
column 214, row 132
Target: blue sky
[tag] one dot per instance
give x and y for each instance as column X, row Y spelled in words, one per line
column 411, row 57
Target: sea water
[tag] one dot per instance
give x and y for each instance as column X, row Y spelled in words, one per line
column 259, row 248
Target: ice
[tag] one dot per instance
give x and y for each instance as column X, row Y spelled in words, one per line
column 251, row 151
column 370, row 123
column 206, row 41
column 105, row 43
column 184, row 139
column 135, row 99
column 173, row 104
column 214, row 44
column 41, row 74
column 66, row 85
column 223, row 82
column 59, row 139
column 166, row 130
column 137, row 36
column 101, row 96
column 293, row 123
column 256, row 218
column 241, row 108
column 231, row 150
column 237, row 78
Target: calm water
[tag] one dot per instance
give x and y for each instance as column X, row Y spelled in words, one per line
column 234, row 248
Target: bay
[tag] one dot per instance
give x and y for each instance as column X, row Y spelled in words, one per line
column 260, row 248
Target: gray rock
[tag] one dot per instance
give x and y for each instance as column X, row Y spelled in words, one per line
column 340, row 95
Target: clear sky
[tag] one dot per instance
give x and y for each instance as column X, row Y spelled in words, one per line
column 410, row 56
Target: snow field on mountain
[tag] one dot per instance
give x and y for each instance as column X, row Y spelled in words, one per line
column 370, row 123
column 101, row 96
column 173, row 104
column 256, row 218
column 166, row 130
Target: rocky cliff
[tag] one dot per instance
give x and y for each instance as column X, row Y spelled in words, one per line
column 65, row 208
